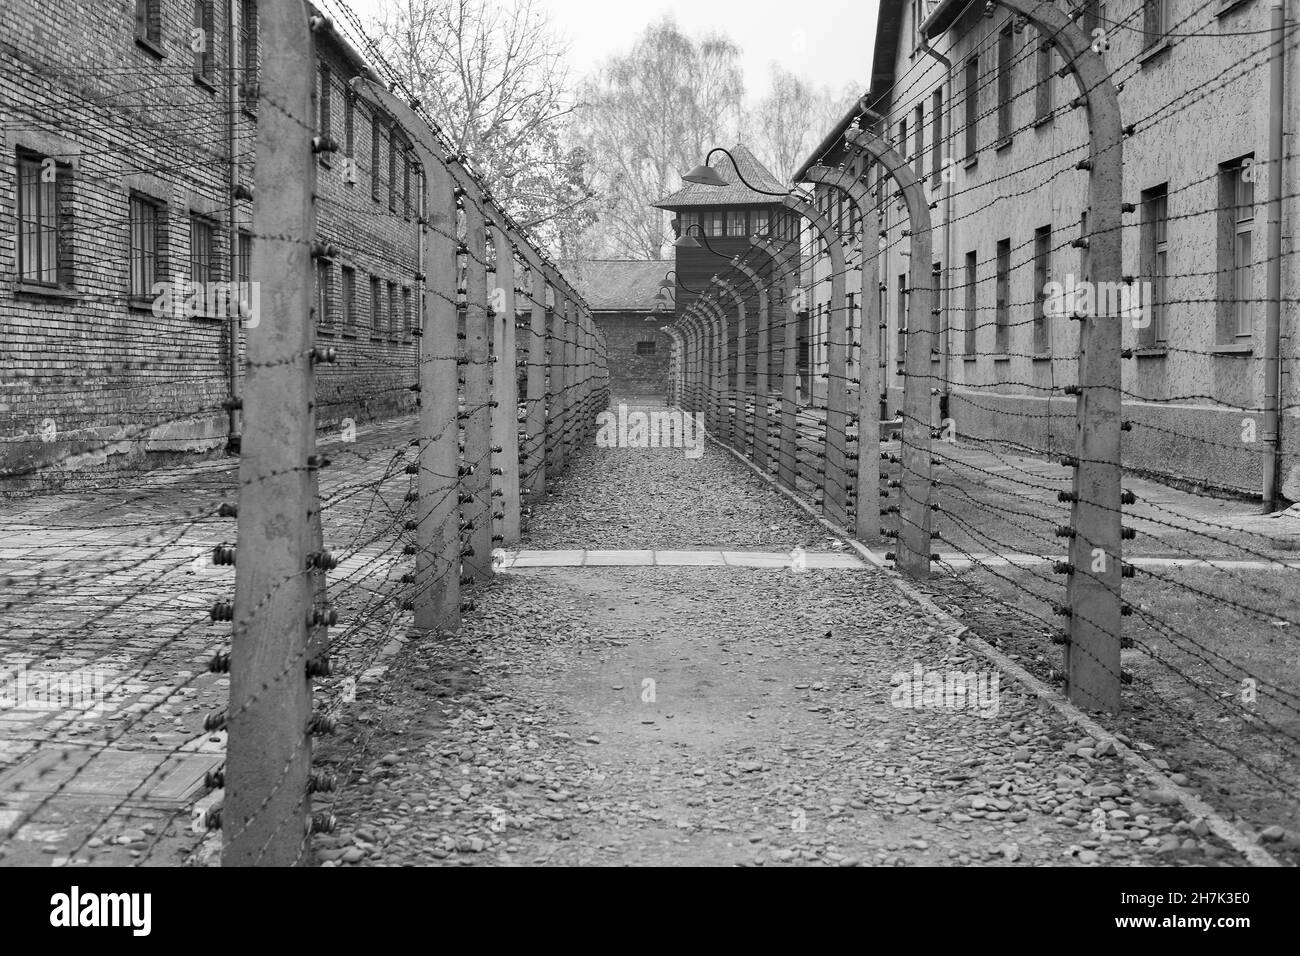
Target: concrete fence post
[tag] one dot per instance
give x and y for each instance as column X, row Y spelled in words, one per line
column 915, row 482
column 268, row 757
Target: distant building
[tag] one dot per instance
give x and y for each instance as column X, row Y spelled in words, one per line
column 621, row 294
column 722, row 219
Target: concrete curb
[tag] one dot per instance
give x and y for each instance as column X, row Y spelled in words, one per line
column 1255, row 854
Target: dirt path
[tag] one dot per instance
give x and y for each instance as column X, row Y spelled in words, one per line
column 717, row 716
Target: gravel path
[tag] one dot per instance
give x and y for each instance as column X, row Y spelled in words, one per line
column 716, row 716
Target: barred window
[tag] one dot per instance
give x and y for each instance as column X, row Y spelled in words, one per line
column 248, row 52
column 204, row 265
column 1002, row 326
column 1042, row 273
column 145, row 216
column 203, row 41
column 349, row 302
column 39, row 257
column 324, row 292
column 148, row 21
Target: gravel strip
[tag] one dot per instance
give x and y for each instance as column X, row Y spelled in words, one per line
column 718, row 716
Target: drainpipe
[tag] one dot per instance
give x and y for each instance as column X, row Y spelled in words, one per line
column 1273, row 296
column 946, row 344
column 232, row 234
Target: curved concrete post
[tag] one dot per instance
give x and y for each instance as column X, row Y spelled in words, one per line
column 1092, row 649
column 735, row 403
column 788, row 437
column 834, row 477
column 914, row 484
column 866, row 526
column 533, row 466
column 757, row 430
column 505, row 386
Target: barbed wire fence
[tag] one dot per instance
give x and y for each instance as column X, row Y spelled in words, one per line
column 1024, row 539
column 341, row 540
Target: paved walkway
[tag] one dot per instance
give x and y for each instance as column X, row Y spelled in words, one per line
column 105, row 638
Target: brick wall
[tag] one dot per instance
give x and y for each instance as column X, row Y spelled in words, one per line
column 632, row 372
column 91, row 377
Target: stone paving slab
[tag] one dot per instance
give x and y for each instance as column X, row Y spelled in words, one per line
column 811, row 560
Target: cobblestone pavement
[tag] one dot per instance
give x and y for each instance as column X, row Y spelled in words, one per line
column 105, row 637
column 720, row 715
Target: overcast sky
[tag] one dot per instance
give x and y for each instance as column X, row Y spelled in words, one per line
column 764, row 31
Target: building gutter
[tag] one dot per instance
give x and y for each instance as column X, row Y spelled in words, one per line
column 1272, row 436
column 945, row 343
column 232, row 234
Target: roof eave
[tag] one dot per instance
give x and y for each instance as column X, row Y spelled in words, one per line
column 941, row 18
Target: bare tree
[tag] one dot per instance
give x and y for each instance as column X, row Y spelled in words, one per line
column 645, row 117
column 495, row 78
column 791, row 119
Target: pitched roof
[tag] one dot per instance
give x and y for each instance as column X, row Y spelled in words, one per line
column 617, row 284
column 735, row 193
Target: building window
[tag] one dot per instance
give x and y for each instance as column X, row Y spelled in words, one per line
column 323, row 125
column 407, row 317
column 736, row 222
column 203, row 41
column 376, row 307
column 972, row 111
column 349, row 299
column 393, row 315
column 1155, row 21
column 1042, row 274
column 323, row 291
column 1236, row 250
column 918, row 144
column 902, row 138
column 41, row 197
column 714, row 219
column 406, row 181
column 760, row 222
column 248, row 52
column 244, row 256
column 936, row 137
column 971, row 316
column 376, row 134
column 392, row 169
column 1002, row 321
column 645, row 348
column 1043, row 88
column 204, row 264
column 349, row 124
column 148, row 21
column 685, row 222
column 1004, row 85
column 1155, row 264
column 146, row 218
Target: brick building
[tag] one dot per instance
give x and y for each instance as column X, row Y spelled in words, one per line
column 621, row 294
column 972, row 97
column 128, row 152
